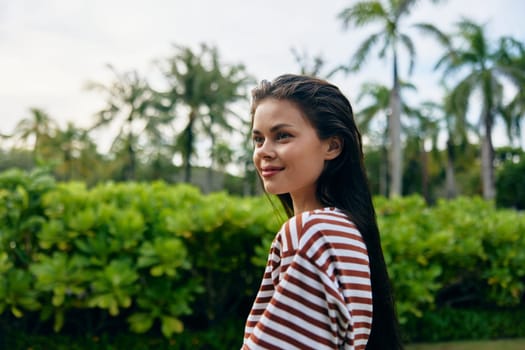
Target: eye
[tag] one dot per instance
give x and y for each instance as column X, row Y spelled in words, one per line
column 257, row 140
column 282, row 136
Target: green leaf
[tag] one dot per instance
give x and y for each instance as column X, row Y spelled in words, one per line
column 140, row 322
column 59, row 320
column 16, row 312
column 171, row 325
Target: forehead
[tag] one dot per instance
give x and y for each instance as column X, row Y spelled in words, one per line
column 272, row 111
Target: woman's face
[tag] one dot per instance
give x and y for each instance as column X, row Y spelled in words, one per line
column 288, row 154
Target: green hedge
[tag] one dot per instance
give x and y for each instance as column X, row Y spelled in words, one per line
column 152, row 257
column 147, row 253
column 510, row 187
column 449, row 324
column 461, row 253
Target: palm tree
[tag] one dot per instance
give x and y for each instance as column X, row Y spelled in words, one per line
column 513, row 113
column 482, row 69
column 158, row 151
column 76, row 153
column 66, row 141
column 205, row 88
column 244, row 157
column 456, row 127
column 378, row 108
column 513, row 55
column 129, row 104
column 313, row 66
column 36, row 130
column 425, row 130
column 388, row 13
column 231, row 81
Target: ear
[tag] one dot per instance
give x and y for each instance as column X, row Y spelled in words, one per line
column 335, row 147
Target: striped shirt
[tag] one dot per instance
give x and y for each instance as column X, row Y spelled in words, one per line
column 316, row 291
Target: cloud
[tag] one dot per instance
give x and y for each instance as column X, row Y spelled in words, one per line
column 50, row 49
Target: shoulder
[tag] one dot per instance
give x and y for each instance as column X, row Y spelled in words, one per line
column 331, row 232
column 326, row 216
column 328, row 222
column 326, row 225
column 292, row 230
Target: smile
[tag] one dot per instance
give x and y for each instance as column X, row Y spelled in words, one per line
column 270, row 171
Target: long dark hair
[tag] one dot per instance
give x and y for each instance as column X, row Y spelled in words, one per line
column 343, row 184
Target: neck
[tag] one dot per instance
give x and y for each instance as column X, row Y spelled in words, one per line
column 301, row 206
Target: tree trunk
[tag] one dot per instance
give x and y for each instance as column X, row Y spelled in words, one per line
column 383, row 172
column 129, row 168
column 450, row 176
column 68, row 161
column 424, row 173
column 383, row 164
column 487, row 159
column 395, row 159
column 189, row 147
column 209, row 179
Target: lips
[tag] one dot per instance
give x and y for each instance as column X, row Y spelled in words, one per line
column 270, row 171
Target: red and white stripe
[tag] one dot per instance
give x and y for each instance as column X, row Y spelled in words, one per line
column 316, row 291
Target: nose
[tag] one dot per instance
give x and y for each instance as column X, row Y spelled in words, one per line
column 265, row 151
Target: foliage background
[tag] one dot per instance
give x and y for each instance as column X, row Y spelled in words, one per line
column 168, row 260
column 177, row 266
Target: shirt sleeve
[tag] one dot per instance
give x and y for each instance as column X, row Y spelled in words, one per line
column 299, row 312
column 310, row 304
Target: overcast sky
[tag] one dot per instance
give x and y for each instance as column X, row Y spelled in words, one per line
column 49, row 49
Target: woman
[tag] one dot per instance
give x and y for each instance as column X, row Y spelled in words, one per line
column 325, row 285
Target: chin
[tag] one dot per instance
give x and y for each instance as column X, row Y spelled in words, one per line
column 273, row 190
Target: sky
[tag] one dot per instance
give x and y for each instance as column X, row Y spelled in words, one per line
column 50, row 49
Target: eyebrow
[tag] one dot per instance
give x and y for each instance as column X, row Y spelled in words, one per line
column 274, row 128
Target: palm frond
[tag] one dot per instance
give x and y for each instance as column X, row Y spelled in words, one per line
column 461, row 93
column 514, row 74
column 379, row 92
column 362, row 13
column 429, row 29
column 363, row 51
column 448, row 60
column 409, row 45
column 337, row 69
column 402, row 7
column 386, row 45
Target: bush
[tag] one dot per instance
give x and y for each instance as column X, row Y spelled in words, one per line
column 226, row 335
column 510, row 187
column 170, row 262
column 449, row 324
column 143, row 253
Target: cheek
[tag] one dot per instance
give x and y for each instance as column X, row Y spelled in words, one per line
column 316, row 168
column 312, row 166
column 256, row 160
